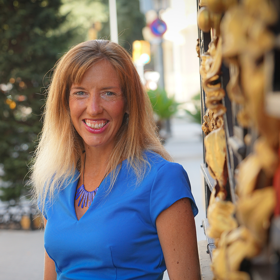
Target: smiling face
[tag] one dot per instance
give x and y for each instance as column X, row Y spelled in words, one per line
column 97, row 106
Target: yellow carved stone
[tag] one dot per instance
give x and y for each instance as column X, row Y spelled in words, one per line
column 215, row 51
column 267, row 155
column 204, row 20
column 254, row 212
column 219, row 6
column 233, row 87
column 263, row 10
column 233, row 247
column 254, row 93
column 243, row 117
column 247, row 175
column 215, row 145
column 251, row 37
column 203, row 3
column 220, row 217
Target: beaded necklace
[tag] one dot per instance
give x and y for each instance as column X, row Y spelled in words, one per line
column 86, row 197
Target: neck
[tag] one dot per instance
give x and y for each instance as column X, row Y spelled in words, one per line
column 96, row 161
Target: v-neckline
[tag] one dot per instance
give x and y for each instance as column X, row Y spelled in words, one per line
column 73, row 194
column 97, row 196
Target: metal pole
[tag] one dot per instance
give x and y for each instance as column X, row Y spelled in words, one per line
column 160, row 64
column 113, row 21
column 140, row 69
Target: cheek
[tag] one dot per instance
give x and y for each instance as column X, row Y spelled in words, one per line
column 76, row 109
column 118, row 110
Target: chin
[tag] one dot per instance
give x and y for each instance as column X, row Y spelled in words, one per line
column 97, row 144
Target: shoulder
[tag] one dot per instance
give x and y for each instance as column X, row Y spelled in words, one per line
column 160, row 165
column 169, row 183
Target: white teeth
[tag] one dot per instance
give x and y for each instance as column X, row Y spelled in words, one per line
column 95, row 125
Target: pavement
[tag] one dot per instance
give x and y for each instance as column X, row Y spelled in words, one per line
column 22, row 252
column 185, row 147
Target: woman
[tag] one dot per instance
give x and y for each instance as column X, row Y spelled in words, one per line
column 114, row 205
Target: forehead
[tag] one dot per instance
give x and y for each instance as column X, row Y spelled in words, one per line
column 101, row 73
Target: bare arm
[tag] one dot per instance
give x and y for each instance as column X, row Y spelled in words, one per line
column 49, row 270
column 177, row 236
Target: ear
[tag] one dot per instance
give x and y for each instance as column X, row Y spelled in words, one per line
column 126, row 116
column 126, row 110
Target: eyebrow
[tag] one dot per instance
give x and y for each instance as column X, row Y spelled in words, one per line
column 76, row 88
column 109, row 87
column 104, row 88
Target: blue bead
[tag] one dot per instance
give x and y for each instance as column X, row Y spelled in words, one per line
column 85, row 197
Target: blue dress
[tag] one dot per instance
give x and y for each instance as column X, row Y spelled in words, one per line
column 117, row 237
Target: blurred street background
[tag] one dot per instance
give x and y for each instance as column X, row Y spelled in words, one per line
column 160, row 35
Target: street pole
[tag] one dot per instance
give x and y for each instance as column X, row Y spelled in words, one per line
column 160, row 65
column 161, row 4
column 158, row 5
column 140, row 69
column 113, row 21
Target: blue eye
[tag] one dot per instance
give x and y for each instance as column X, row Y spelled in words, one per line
column 109, row 93
column 80, row 93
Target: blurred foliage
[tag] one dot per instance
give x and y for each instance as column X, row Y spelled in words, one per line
column 82, row 15
column 86, row 14
column 195, row 114
column 30, row 44
column 130, row 23
column 164, row 106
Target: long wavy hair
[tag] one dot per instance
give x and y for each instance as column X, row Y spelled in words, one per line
column 60, row 147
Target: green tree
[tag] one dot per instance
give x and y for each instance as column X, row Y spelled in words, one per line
column 31, row 41
column 84, row 14
column 130, row 23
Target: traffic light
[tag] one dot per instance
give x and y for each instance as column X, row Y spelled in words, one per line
column 141, row 52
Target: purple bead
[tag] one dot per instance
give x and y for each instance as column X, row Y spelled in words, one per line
column 85, row 197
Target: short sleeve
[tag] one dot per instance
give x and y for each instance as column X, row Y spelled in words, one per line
column 171, row 184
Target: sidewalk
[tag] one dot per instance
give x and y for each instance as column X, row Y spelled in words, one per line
column 22, row 253
column 185, row 147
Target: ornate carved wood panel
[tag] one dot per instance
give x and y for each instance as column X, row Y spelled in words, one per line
column 239, row 50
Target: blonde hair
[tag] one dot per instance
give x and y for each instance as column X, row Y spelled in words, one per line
column 60, row 147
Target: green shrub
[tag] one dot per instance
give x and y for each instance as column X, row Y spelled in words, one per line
column 163, row 106
column 196, row 113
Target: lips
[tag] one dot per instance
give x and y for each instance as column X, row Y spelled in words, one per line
column 95, row 126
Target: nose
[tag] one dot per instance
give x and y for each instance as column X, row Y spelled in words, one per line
column 94, row 106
